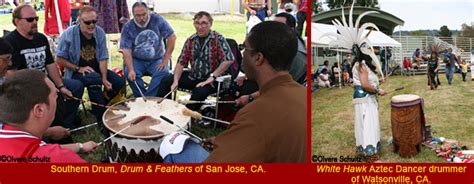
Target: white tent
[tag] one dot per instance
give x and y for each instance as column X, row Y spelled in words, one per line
column 377, row 38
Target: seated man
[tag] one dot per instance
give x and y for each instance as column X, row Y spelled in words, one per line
column 28, row 101
column 259, row 8
column 297, row 69
column 31, row 51
column 143, row 49
column 273, row 127
column 5, row 58
column 209, row 55
column 82, row 51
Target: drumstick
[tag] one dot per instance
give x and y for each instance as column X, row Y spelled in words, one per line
column 82, row 127
column 204, row 102
column 166, row 96
column 181, row 128
column 93, row 103
column 136, row 84
column 134, row 122
column 197, row 115
column 398, row 89
column 89, row 125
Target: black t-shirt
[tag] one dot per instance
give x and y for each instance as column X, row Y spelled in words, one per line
column 88, row 54
column 30, row 54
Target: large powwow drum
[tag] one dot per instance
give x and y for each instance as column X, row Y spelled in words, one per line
column 408, row 124
column 141, row 142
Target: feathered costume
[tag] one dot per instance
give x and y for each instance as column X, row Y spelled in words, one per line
column 352, row 39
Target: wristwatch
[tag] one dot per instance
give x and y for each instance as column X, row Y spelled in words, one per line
column 250, row 98
column 77, row 68
column 81, row 147
column 213, row 76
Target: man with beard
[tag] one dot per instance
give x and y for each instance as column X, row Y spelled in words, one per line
column 27, row 44
column 143, row 49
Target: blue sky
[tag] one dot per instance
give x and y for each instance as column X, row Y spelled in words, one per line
column 430, row 14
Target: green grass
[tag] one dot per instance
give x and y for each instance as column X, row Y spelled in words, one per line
column 448, row 110
column 229, row 26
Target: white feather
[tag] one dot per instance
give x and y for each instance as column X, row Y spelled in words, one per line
column 348, row 35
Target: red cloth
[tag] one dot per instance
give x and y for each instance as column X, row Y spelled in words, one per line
column 17, row 144
column 51, row 23
column 406, row 63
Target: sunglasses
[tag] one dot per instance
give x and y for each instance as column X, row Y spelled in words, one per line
column 90, row 22
column 30, row 19
column 242, row 47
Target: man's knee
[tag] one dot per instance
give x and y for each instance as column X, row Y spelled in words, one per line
column 75, row 86
column 92, row 79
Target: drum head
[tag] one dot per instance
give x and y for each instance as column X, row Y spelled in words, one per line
column 405, row 98
column 147, row 114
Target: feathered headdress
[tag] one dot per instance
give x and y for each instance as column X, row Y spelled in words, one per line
column 351, row 38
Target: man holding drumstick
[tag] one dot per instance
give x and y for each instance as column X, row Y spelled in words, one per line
column 273, row 127
column 26, row 121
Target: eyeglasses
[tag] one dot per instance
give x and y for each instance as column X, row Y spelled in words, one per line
column 30, row 19
column 242, row 47
column 89, row 22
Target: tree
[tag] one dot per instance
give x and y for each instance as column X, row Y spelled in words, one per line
column 467, row 31
column 419, row 33
column 317, row 7
column 445, row 32
column 332, row 4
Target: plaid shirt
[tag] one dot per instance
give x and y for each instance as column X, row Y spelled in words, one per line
column 205, row 58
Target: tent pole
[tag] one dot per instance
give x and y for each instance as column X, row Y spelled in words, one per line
column 339, row 67
column 58, row 17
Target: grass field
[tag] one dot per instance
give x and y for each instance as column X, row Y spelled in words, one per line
column 229, row 26
column 448, row 110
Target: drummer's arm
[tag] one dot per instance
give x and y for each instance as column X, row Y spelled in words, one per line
column 222, row 68
column 103, row 73
column 81, row 147
column 178, row 71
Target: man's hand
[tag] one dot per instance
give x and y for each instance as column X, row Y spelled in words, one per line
column 162, row 65
column 208, row 143
column 206, row 82
column 65, row 92
column 253, row 12
column 269, row 13
column 242, row 101
column 240, row 80
column 382, row 93
column 89, row 146
column 107, row 84
column 57, row 133
column 85, row 70
column 131, row 75
column 174, row 86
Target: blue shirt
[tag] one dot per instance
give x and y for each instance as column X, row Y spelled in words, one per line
column 452, row 59
column 69, row 46
column 146, row 43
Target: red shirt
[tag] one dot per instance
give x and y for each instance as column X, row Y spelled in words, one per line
column 406, row 63
column 20, row 146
